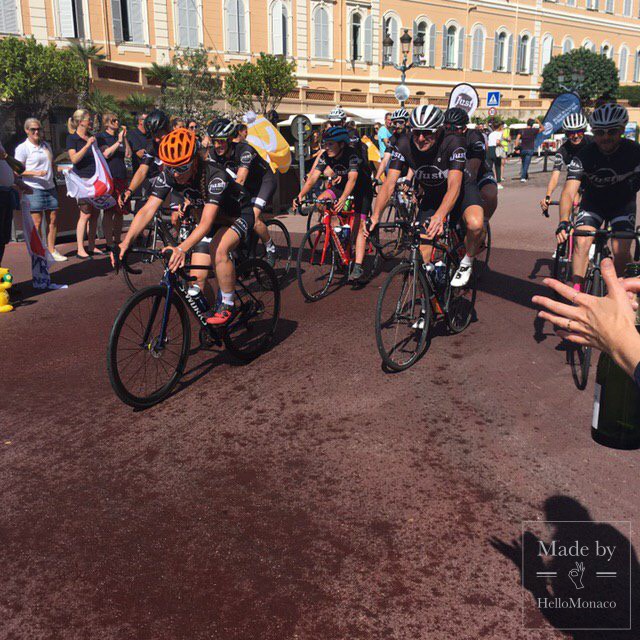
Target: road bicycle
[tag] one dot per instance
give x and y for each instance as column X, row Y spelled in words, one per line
column 327, row 252
column 150, row 339
column 415, row 294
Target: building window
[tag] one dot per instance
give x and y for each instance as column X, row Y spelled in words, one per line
column 567, row 45
column 321, row 33
column 236, row 31
column 606, row 50
column 71, row 18
column 477, row 49
column 368, row 39
column 128, row 21
column 609, row 6
column 524, row 54
column 450, row 37
column 624, row 54
column 9, row 16
column 279, row 29
column 356, row 37
column 421, row 28
column 547, row 50
column 627, row 7
column 592, row 5
column 390, row 27
column 636, row 70
column 188, row 33
column 502, row 51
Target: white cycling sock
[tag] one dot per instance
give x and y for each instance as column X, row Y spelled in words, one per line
column 467, row 261
column 227, row 298
column 270, row 245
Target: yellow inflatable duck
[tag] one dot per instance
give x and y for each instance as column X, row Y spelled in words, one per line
column 6, row 280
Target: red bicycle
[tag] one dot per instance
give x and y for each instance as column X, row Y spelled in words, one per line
column 327, row 251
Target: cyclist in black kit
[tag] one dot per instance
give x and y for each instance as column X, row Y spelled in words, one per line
column 399, row 120
column 575, row 128
column 609, row 172
column 350, row 176
column 438, row 162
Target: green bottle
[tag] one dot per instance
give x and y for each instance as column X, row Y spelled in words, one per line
column 616, row 406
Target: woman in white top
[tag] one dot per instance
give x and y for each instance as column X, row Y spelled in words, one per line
column 495, row 151
column 37, row 156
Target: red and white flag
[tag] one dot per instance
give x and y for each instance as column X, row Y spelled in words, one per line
column 99, row 185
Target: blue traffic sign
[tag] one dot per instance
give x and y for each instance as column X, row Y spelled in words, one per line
column 493, row 99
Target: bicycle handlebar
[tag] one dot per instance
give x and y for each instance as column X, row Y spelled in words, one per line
column 158, row 254
column 605, row 233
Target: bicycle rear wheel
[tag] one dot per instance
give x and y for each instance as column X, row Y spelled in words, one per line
column 258, row 298
column 281, row 238
column 580, row 357
column 317, row 263
column 142, row 367
column 403, row 317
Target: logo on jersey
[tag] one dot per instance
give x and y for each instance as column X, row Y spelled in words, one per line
column 606, row 177
column 246, row 157
column 217, row 186
column 340, row 169
column 161, row 180
column 431, row 175
column 459, row 155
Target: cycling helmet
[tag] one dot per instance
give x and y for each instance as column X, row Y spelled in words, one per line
column 609, row 116
column 399, row 114
column 178, row 147
column 336, row 134
column 221, row 129
column 337, row 113
column 574, row 122
column 426, row 117
column 156, row 121
column 456, row 118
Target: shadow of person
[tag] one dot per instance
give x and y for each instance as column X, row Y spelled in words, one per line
column 574, row 595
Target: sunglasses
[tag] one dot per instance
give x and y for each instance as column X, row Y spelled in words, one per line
column 610, row 133
column 428, row 133
column 35, row 129
column 181, row 170
column 193, row 126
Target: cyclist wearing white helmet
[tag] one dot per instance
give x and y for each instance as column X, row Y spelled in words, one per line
column 609, row 172
column 399, row 120
column 438, row 164
column 337, row 116
column 575, row 127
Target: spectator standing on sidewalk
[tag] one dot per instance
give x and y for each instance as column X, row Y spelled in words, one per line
column 495, row 151
column 37, row 156
column 525, row 141
column 7, row 201
column 384, row 133
column 79, row 143
column 115, row 147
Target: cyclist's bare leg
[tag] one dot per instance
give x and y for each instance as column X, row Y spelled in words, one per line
column 621, row 254
column 224, row 242
column 580, row 260
column 474, row 223
column 201, row 275
column 489, row 194
column 361, row 241
column 259, row 226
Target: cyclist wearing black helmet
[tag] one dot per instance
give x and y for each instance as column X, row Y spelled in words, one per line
column 350, row 176
column 472, row 206
column 157, row 125
column 609, row 172
column 249, row 169
column 437, row 162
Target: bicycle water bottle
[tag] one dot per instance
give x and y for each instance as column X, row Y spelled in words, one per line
column 183, row 232
column 198, row 297
column 348, row 205
column 440, row 273
column 616, row 404
column 346, row 232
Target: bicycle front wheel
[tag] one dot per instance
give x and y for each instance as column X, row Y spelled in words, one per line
column 317, row 263
column 459, row 302
column 258, row 299
column 145, row 270
column 148, row 347
column 403, row 317
column 580, row 357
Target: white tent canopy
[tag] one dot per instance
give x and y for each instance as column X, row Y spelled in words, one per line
column 314, row 120
column 367, row 116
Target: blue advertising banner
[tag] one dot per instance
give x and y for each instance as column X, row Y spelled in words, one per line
column 561, row 107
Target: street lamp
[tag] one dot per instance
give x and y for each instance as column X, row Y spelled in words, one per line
column 402, row 91
column 577, row 80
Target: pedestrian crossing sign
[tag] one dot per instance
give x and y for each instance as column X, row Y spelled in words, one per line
column 493, row 99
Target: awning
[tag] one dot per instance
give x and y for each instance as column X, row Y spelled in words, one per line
column 314, row 120
column 367, row 116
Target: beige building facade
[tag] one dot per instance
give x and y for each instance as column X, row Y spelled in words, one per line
column 337, row 44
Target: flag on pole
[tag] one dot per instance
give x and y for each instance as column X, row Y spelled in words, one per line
column 268, row 142
column 373, row 153
column 41, row 259
column 99, row 185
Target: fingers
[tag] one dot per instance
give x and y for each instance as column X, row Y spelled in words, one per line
column 611, row 279
column 565, row 324
column 566, row 291
column 566, row 310
column 631, row 285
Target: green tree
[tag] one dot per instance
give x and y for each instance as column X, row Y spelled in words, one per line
column 265, row 82
column 86, row 54
column 139, row 102
column 35, row 77
column 600, row 74
column 100, row 103
column 162, row 75
column 193, row 89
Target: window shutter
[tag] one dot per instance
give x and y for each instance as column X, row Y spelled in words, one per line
column 276, row 29
column 432, row 46
column 519, row 55
column 79, row 19
column 496, row 51
column 532, row 58
column 368, row 39
column 9, row 17
column 462, row 43
column 116, row 11
column 183, row 23
column 612, row 53
column 242, row 32
column 444, row 46
column 67, row 26
column 415, row 33
column 233, row 43
column 509, row 53
column 136, row 26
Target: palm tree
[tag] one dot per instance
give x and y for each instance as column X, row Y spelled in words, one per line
column 100, row 103
column 139, row 102
column 86, row 53
column 161, row 74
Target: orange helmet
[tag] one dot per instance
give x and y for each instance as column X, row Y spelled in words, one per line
column 178, row 147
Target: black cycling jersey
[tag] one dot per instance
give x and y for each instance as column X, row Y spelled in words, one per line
column 610, row 181
column 568, row 151
column 151, row 159
column 243, row 155
column 360, row 147
column 347, row 162
column 393, row 140
column 431, row 168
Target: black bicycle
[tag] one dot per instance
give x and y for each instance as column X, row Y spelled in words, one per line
column 414, row 293
column 150, row 338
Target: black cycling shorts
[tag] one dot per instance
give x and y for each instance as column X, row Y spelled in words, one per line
column 263, row 195
column 486, row 178
column 621, row 218
column 471, row 196
column 242, row 223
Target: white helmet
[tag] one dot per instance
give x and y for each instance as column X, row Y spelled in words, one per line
column 574, row 122
column 337, row 113
column 399, row 114
column 609, row 116
column 426, row 117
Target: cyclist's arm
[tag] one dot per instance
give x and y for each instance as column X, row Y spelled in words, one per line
column 141, row 220
column 138, row 177
column 473, row 164
column 348, row 189
column 384, row 194
column 383, row 163
column 241, row 175
column 553, row 182
column 567, row 199
column 312, row 178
